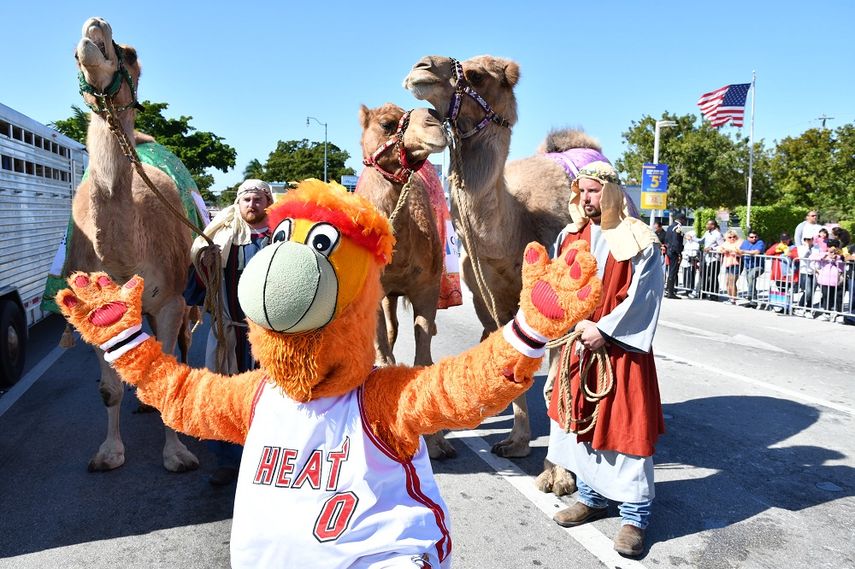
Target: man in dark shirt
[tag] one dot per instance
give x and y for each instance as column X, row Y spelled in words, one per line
column 673, row 242
column 752, row 264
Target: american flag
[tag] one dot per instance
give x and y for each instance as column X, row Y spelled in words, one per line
column 725, row 104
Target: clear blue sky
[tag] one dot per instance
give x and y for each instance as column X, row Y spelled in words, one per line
column 252, row 71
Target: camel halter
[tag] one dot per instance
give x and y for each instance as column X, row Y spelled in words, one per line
column 396, row 142
column 208, row 257
column 605, row 383
column 462, row 88
column 404, row 175
column 121, row 75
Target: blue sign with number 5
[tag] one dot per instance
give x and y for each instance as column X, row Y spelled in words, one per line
column 654, row 178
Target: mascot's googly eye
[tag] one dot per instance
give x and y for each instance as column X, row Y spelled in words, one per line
column 283, row 231
column 323, row 238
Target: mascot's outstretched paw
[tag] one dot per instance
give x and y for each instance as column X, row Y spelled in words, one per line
column 99, row 308
column 558, row 293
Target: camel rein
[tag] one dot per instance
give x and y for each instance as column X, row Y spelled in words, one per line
column 207, row 258
column 460, row 197
column 605, row 383
column 404, row 174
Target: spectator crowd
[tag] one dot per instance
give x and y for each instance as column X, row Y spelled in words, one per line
column 811, row 274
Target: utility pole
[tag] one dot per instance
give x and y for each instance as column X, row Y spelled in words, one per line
column 325, row 142
column 824, row 118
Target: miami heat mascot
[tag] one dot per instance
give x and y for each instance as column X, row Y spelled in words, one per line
column 334, row 471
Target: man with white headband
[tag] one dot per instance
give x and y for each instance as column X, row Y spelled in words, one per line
column 609, row 443
column 240, row 231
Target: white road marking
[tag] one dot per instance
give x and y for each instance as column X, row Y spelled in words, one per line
column 744, row 378
column 28, row 380
column 739, row 339
column 587, row 535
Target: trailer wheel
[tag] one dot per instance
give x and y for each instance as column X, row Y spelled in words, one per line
column 13, row 342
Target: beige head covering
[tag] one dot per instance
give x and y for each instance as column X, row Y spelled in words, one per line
column 253, row 185
column 626, row 235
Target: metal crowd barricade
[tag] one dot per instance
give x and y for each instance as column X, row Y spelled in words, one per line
column 782, row 284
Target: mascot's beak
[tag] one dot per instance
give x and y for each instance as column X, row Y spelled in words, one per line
column 288, row 287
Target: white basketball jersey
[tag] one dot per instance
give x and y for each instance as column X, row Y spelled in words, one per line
column 317, row 489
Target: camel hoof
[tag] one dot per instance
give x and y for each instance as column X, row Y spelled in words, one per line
column 556, row 479
column 544, row 481
column 439, row 448
column 563, row 482
column 182, row 460
column 510, row 448
column 105, row 461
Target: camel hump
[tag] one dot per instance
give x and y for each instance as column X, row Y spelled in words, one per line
column 564, row 139
column 142, row 138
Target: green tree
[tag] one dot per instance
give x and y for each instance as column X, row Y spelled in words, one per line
column 706, row 167
column 817, row 170
column 198, row 150
column 254, row 169
column 301, row 159
column 74, row 126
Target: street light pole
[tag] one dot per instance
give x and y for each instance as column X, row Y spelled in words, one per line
column 325, row 142
column 659, row 125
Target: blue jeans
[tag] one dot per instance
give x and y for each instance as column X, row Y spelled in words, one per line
column 631, row 513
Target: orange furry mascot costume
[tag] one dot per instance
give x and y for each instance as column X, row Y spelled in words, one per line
column 334, row 472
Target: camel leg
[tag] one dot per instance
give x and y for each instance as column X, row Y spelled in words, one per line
column 176, row 456
column 424, row 326
column 517, row 443
column 383, row 355
column 390, row 313
column 111, row 453
column 555, row 479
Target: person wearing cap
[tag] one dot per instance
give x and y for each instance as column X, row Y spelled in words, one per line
column 611, row 454
column 240, row 231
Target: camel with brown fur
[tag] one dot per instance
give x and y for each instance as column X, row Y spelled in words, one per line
column 122, row 228
column 504, row 205
column 417, row 261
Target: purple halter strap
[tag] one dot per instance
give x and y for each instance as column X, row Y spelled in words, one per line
column 462, row 88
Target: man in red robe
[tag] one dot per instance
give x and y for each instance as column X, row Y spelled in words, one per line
column 607, row 438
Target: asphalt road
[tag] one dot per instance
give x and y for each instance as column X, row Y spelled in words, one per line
column 756, row 469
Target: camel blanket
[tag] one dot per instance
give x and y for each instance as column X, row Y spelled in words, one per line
column 160, row 157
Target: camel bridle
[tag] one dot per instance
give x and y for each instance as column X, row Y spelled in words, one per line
column 404, row 174
column 463, row 88
column 395, row 143
column 101, row 105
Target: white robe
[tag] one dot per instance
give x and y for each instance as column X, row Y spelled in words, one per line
column 632, row 325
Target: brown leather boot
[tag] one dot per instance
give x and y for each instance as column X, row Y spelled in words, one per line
column 578, row 514
column 629, row 541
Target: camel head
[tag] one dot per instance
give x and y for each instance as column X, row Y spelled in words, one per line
column 106, row 67
column 422, row 134
column 434, row 79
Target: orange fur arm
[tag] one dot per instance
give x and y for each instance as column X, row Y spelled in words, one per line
column 403, row 403
column 197, row 402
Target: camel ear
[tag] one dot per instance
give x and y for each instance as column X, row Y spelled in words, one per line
column 364, row 116
column 512, row 73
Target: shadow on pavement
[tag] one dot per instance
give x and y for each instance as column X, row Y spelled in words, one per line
column 735, row 437
column 49, row 500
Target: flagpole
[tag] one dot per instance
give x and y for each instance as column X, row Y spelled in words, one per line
column 751, row 150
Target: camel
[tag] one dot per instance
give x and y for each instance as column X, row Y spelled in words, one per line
column 122, row 228
column 416, row 266
column 503, row 206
